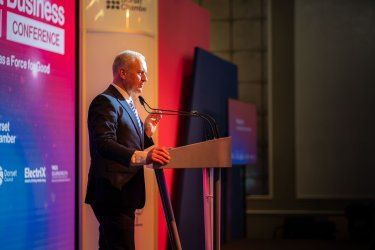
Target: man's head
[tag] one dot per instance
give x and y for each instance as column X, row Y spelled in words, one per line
column 130, row 71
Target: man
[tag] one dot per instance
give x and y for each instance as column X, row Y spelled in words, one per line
column 117, row 141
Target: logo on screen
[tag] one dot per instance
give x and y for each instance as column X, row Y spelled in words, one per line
column 1, row 18
column 36, row 175
column 7, row 175
column 1, row 176
column 58, row 175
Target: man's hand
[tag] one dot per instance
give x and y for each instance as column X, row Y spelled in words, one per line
column 151, row 122
column 158, row 156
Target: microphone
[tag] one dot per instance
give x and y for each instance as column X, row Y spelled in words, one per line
column 211, row 121
column 141, row 100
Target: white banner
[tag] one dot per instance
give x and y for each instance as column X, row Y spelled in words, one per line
column 34, row 33
column 130, row 16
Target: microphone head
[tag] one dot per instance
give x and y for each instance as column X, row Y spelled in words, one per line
column 141, row 100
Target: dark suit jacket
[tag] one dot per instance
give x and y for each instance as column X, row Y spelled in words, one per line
column 114, row 136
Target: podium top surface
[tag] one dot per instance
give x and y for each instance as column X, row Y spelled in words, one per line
column 214, row 153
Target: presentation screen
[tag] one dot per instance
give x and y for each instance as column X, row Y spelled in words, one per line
column 242, row 128
column 37, row 124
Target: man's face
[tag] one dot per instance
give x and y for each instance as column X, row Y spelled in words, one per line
column 135, row 76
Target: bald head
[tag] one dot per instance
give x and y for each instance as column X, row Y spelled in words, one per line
column 125, row 59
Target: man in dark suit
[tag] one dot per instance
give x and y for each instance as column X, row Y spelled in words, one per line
column 118, row 140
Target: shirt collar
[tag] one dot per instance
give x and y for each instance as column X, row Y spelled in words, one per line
column 124, row 94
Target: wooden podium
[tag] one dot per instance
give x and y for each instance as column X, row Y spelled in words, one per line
column 209, row 155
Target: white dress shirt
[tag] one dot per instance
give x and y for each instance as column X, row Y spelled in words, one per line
column 139, row 157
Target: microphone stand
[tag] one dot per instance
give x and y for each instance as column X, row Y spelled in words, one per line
column 211, row 121
column 211, row 185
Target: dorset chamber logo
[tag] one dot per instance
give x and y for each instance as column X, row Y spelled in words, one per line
column 133, row 5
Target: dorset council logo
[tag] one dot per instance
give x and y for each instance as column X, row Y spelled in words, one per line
column 1, row 176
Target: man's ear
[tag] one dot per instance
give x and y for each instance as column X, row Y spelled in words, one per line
column 122, row 74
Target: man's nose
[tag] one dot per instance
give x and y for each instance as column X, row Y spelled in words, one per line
column 144, row 77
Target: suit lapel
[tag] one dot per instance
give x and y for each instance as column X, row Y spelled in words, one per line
column 130, row 112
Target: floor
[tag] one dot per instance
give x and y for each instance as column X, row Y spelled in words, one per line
column 280, row 244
